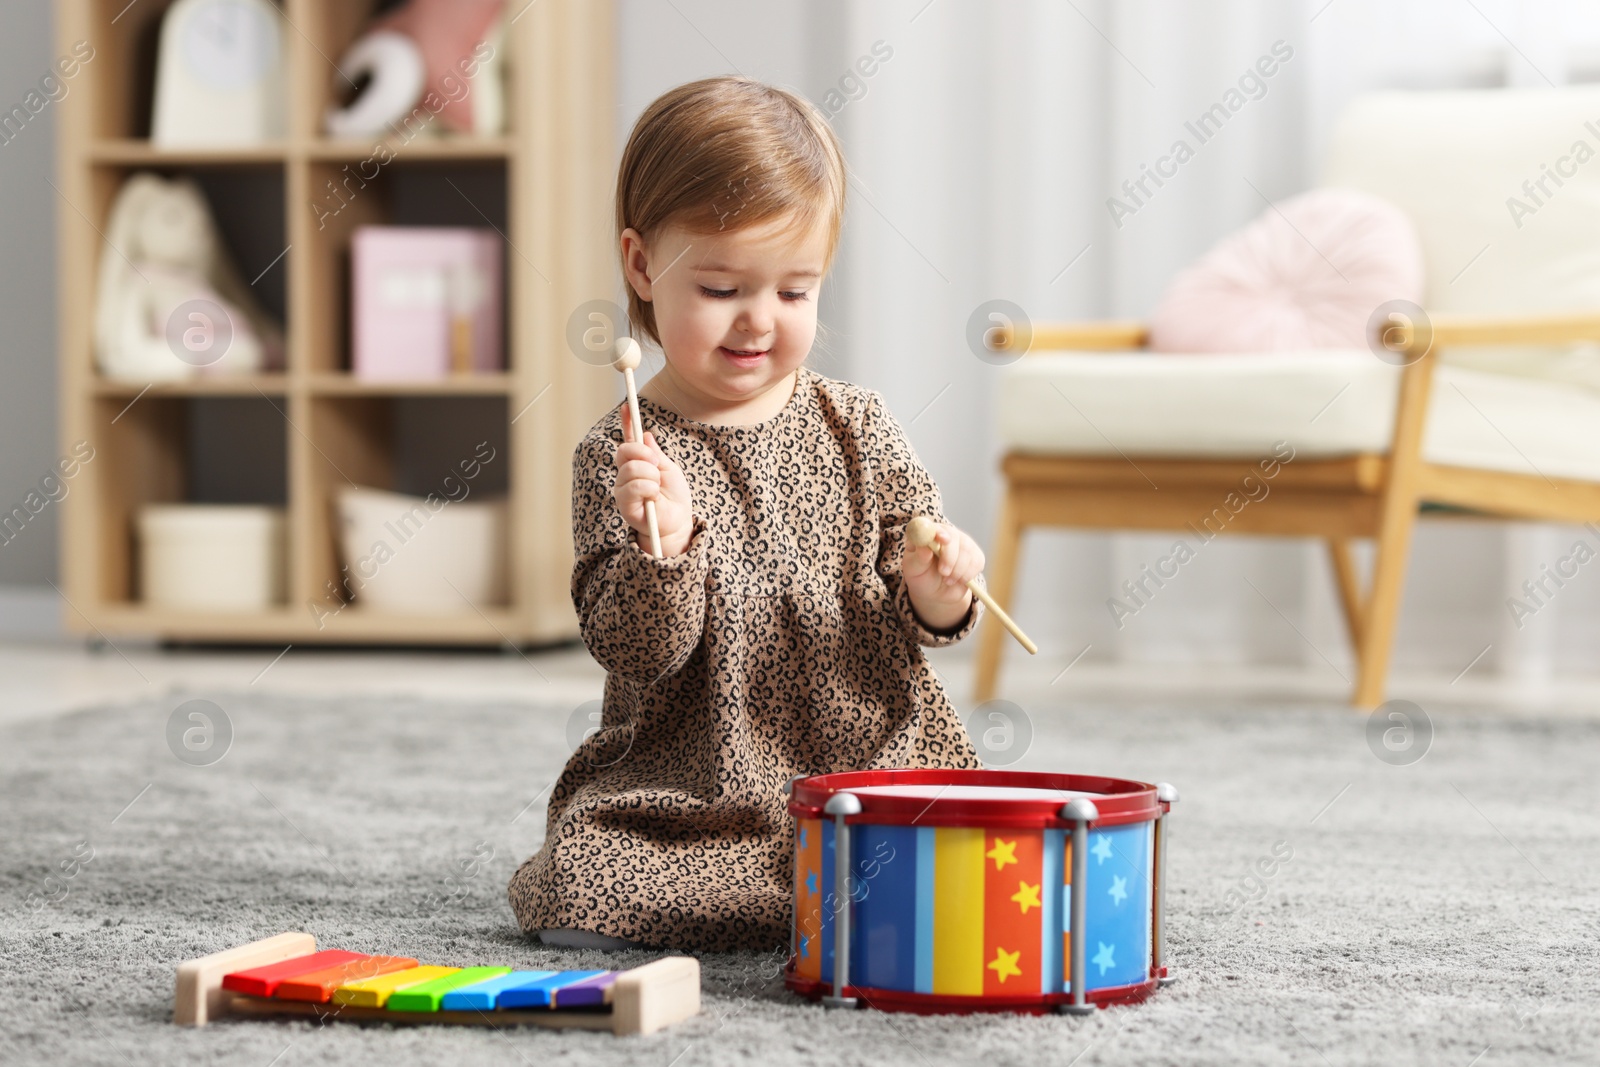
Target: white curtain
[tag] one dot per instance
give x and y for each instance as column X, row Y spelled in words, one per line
column 983, row 151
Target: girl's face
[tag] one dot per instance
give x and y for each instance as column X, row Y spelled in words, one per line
column 736, row 311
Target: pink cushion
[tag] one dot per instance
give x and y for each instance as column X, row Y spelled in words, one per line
column 1308, row 273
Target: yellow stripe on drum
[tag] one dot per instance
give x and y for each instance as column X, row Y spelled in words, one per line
column 375, row 992
column 958, row 911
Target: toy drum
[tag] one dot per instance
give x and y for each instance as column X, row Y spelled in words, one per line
column 951, row 890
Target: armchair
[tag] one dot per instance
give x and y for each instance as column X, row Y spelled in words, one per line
column 1452, row 416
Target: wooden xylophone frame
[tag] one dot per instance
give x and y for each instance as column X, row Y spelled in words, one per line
column 643, row 1000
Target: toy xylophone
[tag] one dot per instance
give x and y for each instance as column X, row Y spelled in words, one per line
column 286, row 975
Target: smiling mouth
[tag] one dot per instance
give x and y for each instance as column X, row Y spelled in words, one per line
column 745, row 353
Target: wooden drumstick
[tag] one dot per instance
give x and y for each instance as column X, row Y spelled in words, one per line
column 920, row 533
column 628, row 357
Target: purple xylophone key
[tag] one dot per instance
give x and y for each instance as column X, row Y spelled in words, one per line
column 589, row 993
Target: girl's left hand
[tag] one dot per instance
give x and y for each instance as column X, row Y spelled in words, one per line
column 938, row 583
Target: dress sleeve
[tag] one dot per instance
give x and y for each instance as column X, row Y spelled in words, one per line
column 641, row 617
column 904, row 490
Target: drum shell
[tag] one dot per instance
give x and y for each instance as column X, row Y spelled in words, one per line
column 961, row 903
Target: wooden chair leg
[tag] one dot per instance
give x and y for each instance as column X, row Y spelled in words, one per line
column 1344, row 571
column 1400, row 496
column 1383, row 602
column 1000, row 578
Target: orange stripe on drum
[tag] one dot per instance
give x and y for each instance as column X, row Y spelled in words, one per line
column 808, row 891
column 1066, row 913
column 1013, row 909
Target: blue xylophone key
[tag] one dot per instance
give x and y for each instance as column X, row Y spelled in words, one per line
column 480, row 996
column 537, row 993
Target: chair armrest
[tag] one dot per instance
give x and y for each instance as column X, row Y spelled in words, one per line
column 1446, row 328
column 1048, row 336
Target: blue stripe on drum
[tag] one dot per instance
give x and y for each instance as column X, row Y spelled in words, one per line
column 925, row 889
column 884, row 888
column 825, row 930
column 1051, row 921
column 1117, row 942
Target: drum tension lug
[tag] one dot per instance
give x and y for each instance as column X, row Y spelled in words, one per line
column 842, row 805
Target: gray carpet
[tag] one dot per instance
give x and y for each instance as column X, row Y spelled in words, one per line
column 1441, row 913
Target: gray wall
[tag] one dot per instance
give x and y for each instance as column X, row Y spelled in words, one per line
column 27, row 292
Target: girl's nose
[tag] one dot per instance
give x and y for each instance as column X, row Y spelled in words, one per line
column 756, row 321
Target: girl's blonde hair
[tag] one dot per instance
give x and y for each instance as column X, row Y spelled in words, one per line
column 725, row 154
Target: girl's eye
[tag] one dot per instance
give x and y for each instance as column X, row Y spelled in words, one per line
column 791, row 295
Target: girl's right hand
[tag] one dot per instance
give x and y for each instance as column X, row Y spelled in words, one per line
column 645, row 473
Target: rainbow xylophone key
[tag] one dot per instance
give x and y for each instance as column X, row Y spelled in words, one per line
column 399, row 983
column 428, row 995
column 286, row 975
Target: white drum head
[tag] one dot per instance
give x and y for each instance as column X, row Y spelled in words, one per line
column 971, row 792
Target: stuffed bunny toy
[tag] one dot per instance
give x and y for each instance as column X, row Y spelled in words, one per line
column 170, row 303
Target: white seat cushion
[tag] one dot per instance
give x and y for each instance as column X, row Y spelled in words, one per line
column 1522, row 425
column 1323, row 403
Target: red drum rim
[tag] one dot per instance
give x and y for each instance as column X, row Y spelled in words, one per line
column 1118, row 800
column 900, row 1000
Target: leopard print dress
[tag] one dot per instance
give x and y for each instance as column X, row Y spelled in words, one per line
column 782, row 642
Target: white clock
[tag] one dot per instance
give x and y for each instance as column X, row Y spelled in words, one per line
column 219, row 74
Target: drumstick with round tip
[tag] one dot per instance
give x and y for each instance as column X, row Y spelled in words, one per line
column 920, row 533
column 628, row 357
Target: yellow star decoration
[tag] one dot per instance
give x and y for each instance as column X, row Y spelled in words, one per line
column 1004, row 852
column 1004, row 964
column 1027, row 896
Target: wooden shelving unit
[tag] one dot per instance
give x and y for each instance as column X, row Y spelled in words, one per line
column 545, row 185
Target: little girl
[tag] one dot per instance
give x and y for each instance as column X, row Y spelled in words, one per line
column 779, row 634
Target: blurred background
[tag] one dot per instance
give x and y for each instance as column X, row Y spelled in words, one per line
column 984, row 147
